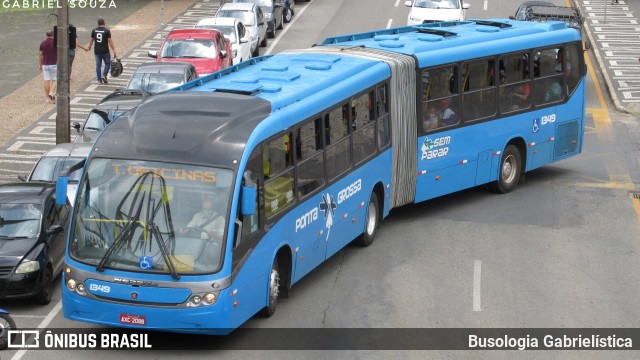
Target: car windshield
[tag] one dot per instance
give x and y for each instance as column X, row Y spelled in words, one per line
column 246, row 17
column 155, row 82
column 49, row 167
column 19, row 220
column 189, row 48
column 437, row 4
column 261, row 3
column 227, row 31
column 151, row 217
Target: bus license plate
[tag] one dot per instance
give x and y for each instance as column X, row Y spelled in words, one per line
column 133, row 319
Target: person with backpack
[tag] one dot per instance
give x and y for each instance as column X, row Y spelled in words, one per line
column 102, row 38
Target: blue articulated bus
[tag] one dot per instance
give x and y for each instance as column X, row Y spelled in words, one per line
column 204, row 205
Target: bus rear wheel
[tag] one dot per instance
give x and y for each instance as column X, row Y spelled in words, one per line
column 274, row 290
column 510, row 169
column 371, row 222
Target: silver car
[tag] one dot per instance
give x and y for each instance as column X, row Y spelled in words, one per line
column 253, row 19
column 235, row 31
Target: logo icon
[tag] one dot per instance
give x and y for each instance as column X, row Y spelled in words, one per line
column 146, row 262
column 536, row 125
column 328, row 207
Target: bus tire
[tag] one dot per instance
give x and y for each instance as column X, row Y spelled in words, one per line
column 274, row 290
column 371, row 222
column 509, row 171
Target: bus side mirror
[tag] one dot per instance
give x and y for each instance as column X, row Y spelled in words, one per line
column 587, row 45
column 248, row 205
column 61, row 190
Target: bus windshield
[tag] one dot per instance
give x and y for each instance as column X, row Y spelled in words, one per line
column 151, row 217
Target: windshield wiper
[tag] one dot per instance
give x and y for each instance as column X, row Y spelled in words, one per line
column 124, row 234
column 4, row 222
column 155, row 233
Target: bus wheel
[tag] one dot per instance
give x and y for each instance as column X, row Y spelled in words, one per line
column 274, row 290
column 371, row 222
column 510, row 167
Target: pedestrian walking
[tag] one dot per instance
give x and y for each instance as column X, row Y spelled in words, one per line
column 102, row 38
column 73, row 43
column 48, row 66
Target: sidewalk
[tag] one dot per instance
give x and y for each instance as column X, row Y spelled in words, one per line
column 616, row 46
column 23, row 106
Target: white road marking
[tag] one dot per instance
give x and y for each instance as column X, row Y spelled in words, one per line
column 477, row 271
column 56, row 309
column 397, row 3
column 389, row 23
column 277, row 39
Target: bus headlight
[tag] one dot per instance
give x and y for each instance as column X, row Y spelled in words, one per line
column 81, row 289
column 71, row 284
column 28, row 266
column 210, row 298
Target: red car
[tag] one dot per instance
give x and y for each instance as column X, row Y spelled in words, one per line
column 206, row 49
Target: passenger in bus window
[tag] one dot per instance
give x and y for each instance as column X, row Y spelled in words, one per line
column 449, row 116
column 430, row 120
column 554, row 91
column 207, row 223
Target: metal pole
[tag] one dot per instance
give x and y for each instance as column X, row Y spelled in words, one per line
column 63, row 113
column 161, row 20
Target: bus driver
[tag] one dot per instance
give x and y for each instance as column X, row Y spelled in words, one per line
column 209, row 222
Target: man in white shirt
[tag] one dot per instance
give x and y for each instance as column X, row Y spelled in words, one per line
column 208, row 221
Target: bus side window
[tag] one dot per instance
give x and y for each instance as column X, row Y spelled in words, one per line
column 479, row 100
column 278, row 186
column 514, row 92
column 548, row 83
column 338, row 149
column 251, row 223
column 310, row 158
column 572, row 67
column 441, row 109
column 382, row 116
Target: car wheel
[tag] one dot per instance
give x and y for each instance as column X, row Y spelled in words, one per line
column 274, row 290
column 510, row 168
column 288, row 15
column 255, row 52
column 6, row 323
column 46, row 288
column 263, row 43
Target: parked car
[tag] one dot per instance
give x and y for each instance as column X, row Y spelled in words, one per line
column 521, row 13
column 33, row 232
column 160, row 76
column 424, row 11
column 58, row 159
column 205, row 48
column 276, row 12
column 107, row 110
column 546, row 11
column 234, row 31
column 253, row 19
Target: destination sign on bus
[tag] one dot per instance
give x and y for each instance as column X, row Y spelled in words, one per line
column 166, row 172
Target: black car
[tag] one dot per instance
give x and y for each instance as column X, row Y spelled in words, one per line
column 33, row 232
column 276, row 12
column 545, row 11
column 155, row 77
column 112, row 106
